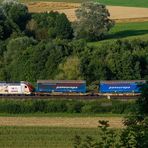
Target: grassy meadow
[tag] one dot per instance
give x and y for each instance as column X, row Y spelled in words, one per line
column 130, row 3
column 121, row 30
column 132, row 30
column 41, row 137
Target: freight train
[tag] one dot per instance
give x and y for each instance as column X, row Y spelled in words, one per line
column 71, row 87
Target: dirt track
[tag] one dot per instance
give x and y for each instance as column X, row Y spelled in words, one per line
column 78, row 122
column 117, row 13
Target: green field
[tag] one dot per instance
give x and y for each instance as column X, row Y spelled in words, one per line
column 122, row 30
column 61, row 115
column 131, row 3
column 41, row 137
column 132, row 30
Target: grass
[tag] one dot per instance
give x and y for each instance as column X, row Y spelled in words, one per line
column 131, row 3
column 41, row 137
column 61, row 115
column 122, row 30
column 69, row 1
column 126, row 31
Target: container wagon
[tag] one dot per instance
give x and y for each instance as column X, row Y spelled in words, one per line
column 121, row 87
column 61, row 87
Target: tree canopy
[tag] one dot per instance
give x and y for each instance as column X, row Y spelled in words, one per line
column 92, row 21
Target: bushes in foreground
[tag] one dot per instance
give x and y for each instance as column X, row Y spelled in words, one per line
column 66, row 106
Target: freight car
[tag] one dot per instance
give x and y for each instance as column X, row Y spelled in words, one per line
column 121, row 87
column 61, row 87
column 72, row 87
column 15, row 88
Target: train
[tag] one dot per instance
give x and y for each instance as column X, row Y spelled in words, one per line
column 72, row 87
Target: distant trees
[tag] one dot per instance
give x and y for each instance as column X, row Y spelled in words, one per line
column 92, row 21
column 49, row 26
column 134, row 135
column 41, row 46
column 70, row 69
column 118, row 60
column 17, row 15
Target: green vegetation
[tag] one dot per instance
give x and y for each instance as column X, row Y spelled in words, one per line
column 92, row 22
column 64, row 106
column 124, row 30
column 41, row 45
column 41, row 114
column 40, row 137
column 134, row 135
column 131, row 3
column 68, row 1
column 130, row 31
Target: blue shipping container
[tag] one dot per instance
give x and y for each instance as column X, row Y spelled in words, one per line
column 120, row 86
column 62, row 86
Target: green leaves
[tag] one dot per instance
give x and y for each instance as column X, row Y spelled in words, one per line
column 92, row 21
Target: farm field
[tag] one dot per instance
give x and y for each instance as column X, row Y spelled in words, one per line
column 76, row 122
column 41, row 137
column 124, row 13
column 132, row 30
column 131, row 3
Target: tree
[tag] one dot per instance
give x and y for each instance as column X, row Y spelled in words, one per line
column 70, row 69
column 16, row 13
column 92, row 21
column 135, row 135
column 49, row 26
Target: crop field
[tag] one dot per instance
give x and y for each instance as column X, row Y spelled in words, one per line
column 124, row 13
column 130, row 3
column 133, row 29
column 76, row 122
column 41, row 137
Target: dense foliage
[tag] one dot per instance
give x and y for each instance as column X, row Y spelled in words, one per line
column 134, row 135
column 64, row 106
column 41, row 46
column 92, row 21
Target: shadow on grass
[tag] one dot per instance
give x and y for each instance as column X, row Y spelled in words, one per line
column 126, row 33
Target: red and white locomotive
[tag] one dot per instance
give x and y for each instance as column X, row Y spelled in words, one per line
column 16, row 88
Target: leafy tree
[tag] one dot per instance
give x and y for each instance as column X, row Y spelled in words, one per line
column 15, row 49
column 63, row 27
column 70, row 69
column 92, row 21
column 107, row 138
column 136, row 133
column 16, row 13
column 50, row 25
column 5, row 28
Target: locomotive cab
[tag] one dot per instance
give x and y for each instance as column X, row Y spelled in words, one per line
column 27, row 88
column 16, row 88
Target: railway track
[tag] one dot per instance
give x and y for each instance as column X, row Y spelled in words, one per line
column 64, row 97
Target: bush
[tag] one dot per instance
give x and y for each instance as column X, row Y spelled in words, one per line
column 75, row 107
column 50, row 106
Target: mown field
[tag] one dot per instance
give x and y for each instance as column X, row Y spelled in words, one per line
column 131, row 3
column 133, row 30
column 121, row 30
column 41, row 137
column 72, row 1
